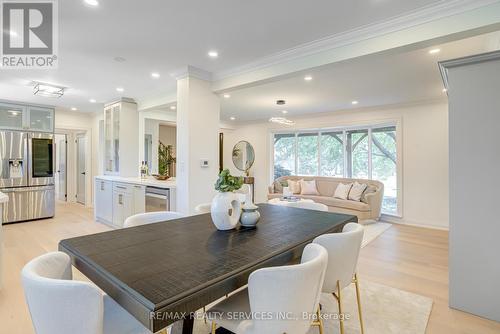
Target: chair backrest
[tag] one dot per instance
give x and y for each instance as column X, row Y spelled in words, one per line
column 151, row 217
column 288, row 290
column 203, row 208
column 309, row 205
column 59, row 305
column 343, row 252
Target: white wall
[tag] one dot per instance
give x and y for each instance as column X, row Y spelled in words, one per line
column 168, row 135
column 474, row 188
column 424, row 132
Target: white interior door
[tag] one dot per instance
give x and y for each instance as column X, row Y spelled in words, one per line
column 81, row 169
column 61, row 169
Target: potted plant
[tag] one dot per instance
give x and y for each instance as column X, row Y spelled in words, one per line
column 226, row 207
column 165, row 160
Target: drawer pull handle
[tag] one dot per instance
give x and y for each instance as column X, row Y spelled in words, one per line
column 120, row 187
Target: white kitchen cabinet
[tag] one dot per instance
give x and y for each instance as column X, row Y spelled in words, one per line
column 122, row 207
column 139, row 196
column 24, row 117
column 103, row 201
column 121, row 143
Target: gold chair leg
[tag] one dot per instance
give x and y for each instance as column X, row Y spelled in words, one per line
column 320, row 322
column 341, row 316
column 214, row 327
column 358, row 297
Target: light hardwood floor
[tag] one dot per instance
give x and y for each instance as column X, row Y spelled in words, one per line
column 407, row 258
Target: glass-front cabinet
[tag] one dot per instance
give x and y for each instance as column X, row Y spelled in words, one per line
column 41, row 119
column 25, row 117
column 112, row 138
column 12, row 116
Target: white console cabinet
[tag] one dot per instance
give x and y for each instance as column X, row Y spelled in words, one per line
column 117, row 198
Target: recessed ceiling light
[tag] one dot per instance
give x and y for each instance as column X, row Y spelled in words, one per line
column 92, row 101
column 173, row 107
column 308, row 78
column 120, row 89
column 227, row 96
column 155, row 75
column 232, row 118
column 434, row 51
column 284, row 111
column 354, row 102
column 73, row 109
column 213, row 54
column 93, row 3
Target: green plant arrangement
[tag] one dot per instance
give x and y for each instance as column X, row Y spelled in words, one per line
column 228, row 183
column 165, row 159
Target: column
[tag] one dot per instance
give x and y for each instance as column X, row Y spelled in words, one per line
column 198, row 110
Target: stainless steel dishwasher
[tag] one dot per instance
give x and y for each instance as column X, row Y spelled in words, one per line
column 157, row 199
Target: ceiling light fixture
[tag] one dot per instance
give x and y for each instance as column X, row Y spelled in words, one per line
column 173, row 107
column 73, row 109
column 232, row 118
column 92, row 101
column 434, row 51
column 93, row 3
column 227, row 96
column 281, row 102
column 47, row 90
column 120, row 89
column 155, row 75
column 354, row 102
column 213, row 54
column 308, row 78
column 284, row 112
column 281, row 120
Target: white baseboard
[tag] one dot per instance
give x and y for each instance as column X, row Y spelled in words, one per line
column 402, row 221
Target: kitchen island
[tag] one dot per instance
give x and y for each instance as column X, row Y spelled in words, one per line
column 117, row 197
column 3, row 200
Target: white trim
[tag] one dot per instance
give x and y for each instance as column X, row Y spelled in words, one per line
column 400, row 221
column 192, row 72
column 415, row 18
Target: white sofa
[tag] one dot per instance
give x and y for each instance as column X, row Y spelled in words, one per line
column 367, row 209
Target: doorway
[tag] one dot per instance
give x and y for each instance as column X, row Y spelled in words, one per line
column 81, row 168
column 61, row 177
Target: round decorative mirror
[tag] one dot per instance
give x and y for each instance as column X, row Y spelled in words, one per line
column 243, row 156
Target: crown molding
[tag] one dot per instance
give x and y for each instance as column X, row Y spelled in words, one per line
column 192, row 72
column 415, row 18
column 444, row 66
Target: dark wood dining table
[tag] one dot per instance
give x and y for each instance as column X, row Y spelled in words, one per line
column 162, row 273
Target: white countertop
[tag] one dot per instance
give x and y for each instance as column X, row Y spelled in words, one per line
column 3, row 198
column 150, row 181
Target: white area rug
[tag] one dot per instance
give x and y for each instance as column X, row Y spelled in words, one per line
column 373, row 230
column 386, row 310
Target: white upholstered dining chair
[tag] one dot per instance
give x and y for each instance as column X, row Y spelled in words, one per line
column 343, row 252
column 308, row 205
column 59, row 305
column 203, row 208
column 151, row 217
column 292, row 290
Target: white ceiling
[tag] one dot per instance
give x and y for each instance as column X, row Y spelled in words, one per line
column 372, row 80
column 162, row 36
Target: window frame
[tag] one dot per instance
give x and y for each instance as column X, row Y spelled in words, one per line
column 397, row 123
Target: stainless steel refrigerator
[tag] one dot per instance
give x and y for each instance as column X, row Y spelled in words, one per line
column 27, row 175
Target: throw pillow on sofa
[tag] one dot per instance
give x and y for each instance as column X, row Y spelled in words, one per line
column 308, row 187
column 294, row 186
column 278, row 186
column 342, row 190
column 369, row 190
column 357, row 191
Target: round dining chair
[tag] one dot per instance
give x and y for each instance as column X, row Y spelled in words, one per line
column 151, row 218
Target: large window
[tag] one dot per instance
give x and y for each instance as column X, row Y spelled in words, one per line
column 362, row 153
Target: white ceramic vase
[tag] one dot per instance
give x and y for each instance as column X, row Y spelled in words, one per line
column 225, row 210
